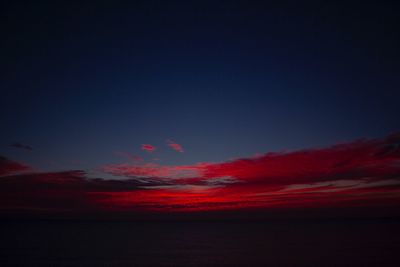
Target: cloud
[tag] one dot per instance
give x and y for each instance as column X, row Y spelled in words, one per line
column 10, row 167
column 175, row 146
column 355, row 160
column 148, row 148
column 365, row 171
column 129, row 156
column 360, row 174
column 340, row 185
column 150, row 170
column 21, row 146
column 68, row 191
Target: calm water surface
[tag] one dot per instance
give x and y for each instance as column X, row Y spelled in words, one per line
column 339, row 243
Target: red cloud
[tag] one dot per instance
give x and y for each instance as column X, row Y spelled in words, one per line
column 60, row 192
column 362, row 174
column 364, row 171
column 175, row 146
column 9, row 167
column 148, row 148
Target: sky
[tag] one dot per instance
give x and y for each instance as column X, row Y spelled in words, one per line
column 169, row 106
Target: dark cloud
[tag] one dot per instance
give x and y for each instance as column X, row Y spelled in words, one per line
column 21, row 146
column 8, row 166
column 70, row 191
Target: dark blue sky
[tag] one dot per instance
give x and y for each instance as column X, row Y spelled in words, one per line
column 225, row 79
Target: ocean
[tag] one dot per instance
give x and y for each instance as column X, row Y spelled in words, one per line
column 237, row 243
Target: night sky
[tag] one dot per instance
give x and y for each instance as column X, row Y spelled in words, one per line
column 170, row 106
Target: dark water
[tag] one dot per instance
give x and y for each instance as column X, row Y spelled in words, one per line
column 327, row 243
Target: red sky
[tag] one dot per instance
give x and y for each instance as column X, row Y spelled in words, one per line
column 359, row 174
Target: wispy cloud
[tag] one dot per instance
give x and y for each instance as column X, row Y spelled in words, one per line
column 175, row 146
column 21, row 146
column 148, row 148
column 129, row 156
column 151, row 170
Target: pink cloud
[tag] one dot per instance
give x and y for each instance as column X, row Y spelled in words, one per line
column 175, row 146
column 148, row 148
